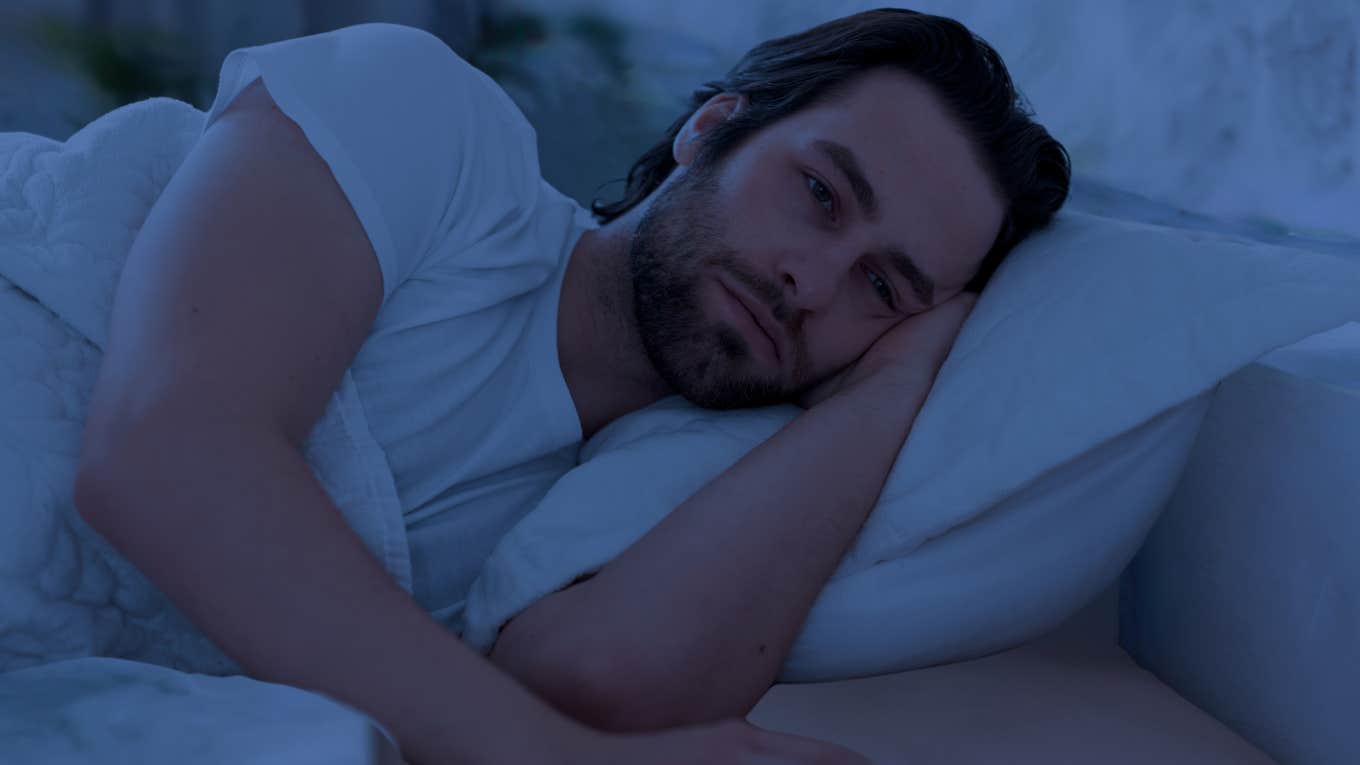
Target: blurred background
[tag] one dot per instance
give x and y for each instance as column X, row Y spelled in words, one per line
column 1218, row 113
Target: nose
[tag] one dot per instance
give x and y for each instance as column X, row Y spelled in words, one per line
column 812, row 276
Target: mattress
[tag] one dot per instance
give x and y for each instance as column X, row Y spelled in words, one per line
column 1246, row 595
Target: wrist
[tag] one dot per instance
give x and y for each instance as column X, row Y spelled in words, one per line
column 879, row 411
column 900, row 394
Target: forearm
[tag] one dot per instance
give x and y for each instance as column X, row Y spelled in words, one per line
column 236, row 530
column 702, row 610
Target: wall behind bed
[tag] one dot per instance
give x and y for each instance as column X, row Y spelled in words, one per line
column 1246, row 113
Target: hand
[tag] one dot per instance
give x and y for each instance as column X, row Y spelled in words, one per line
column 908, row 355
column 727, row 742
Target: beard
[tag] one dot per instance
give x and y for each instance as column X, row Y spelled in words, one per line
column 676, row 245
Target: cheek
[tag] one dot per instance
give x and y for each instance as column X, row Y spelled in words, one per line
column 760, row 216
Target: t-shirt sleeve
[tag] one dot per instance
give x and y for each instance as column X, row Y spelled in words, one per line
column 424, row 145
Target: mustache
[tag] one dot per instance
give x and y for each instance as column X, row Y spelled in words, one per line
column 766, row 292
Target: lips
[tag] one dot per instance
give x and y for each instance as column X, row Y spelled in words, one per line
column 760, row 315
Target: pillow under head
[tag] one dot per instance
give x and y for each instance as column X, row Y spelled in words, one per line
column 1055, row 432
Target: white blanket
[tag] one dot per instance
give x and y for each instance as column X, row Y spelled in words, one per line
column 99, row 711
column 68, row 215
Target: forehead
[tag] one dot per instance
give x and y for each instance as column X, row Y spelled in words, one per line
column 936, row 200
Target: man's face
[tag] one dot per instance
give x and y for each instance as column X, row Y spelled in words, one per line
column 831, row 226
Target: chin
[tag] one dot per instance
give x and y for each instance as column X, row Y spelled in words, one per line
column 739, row 393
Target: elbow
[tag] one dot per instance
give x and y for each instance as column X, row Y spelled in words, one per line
column 635, row 702
column 596, row 687
column 109, row 493
column 96, row 501
column 624, row 702
column 102, row 473
column 90, row 496
column 561, row 674
column 98, row 490
column 637, row 696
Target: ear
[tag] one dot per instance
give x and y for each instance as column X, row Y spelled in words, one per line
column 712, row 113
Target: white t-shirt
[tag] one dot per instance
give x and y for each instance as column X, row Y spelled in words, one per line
column 459, row 377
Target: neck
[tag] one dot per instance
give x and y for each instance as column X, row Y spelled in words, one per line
column 598, row 343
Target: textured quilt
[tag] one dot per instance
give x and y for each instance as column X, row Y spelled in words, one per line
column 69, row 212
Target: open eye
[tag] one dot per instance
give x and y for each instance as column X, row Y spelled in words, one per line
column 821, row 194
column 881, row 286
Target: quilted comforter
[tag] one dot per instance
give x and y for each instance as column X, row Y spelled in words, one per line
column 69, row 212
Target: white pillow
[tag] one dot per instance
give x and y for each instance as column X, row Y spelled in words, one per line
column 1056, row 430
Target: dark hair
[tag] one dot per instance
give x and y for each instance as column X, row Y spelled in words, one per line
column 779, row 77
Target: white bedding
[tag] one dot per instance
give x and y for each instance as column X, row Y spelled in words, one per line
column 99, row 711
column 68, row 215
column 1054, row 435
column 959, row 563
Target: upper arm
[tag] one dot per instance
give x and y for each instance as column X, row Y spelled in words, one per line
column 432, row 155
column 245, row 295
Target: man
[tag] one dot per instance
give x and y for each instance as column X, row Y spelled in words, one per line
column 365, row 202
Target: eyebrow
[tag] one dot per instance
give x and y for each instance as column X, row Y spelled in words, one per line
column 844, row 159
